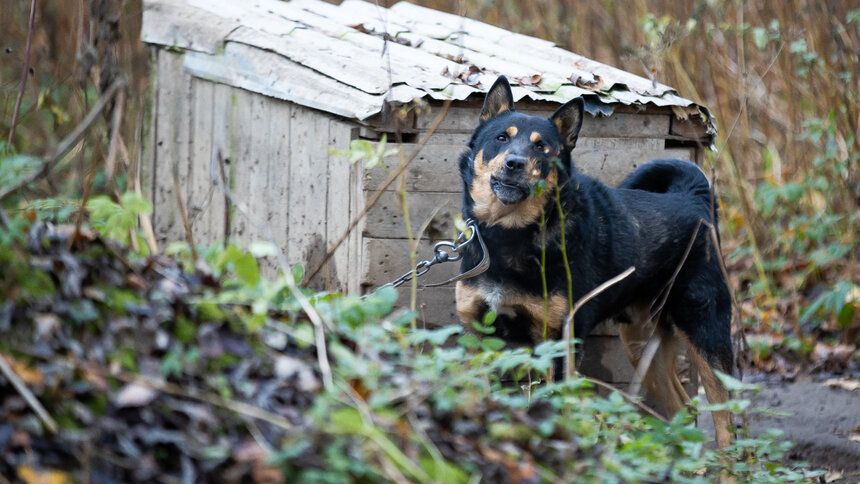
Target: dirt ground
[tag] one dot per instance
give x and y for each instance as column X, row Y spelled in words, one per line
column 824, row 422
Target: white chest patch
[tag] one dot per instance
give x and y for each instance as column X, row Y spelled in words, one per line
column 494, row 296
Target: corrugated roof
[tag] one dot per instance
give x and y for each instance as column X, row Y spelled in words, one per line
column 353, row 58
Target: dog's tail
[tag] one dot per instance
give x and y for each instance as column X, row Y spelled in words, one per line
column 674, row 176
column 669, row 176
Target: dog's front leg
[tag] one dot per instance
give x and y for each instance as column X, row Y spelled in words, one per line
column 470, row 302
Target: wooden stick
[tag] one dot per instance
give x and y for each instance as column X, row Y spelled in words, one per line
column 568, row 367
column 116, row 123
column 241, row 408
column 630, row 398
column 24, row 72
column 71, row 140
column 189, row 235
column 28, row 396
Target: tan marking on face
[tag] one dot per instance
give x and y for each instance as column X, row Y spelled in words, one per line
column 491, row 210
column 534, row 137
column 512, row 131
column 469, row 299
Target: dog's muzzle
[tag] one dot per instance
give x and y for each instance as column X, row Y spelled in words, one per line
column 509, row 191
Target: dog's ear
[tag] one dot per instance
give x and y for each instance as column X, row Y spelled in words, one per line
column 568, row 121
column 500, row 99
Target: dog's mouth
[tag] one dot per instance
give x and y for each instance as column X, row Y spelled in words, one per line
column 509, row 192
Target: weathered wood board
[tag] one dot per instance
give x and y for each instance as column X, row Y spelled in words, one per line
column 286, row 187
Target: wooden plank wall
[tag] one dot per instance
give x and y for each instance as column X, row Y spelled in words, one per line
column 289, row 189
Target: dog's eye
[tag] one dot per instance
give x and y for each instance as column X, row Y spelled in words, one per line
column 502, row 137
column 539, row 145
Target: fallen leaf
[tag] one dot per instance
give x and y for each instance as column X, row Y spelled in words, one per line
column 46, row 324
column 30, row 376
column 834, row 476
column 34, row 476
column 596, row 82
column 135, row 395
column 843, row 383
column 531, row 80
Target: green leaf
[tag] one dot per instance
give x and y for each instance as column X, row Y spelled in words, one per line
column 492, row 344
column 135, row 203
column 177, row 248
column 347, row 420
column 247, row 269
column 469, row 341
column 483, row 329
column 846, row 315
column 732, row 384
column 298, row 273
column 435, row 336
column 759, row 37
column 441, row 470
column 489, row 317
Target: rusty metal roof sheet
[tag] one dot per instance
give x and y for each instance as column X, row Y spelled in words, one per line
column 353, row 58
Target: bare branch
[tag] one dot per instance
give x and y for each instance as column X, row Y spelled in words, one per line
column 24, row 72
column 28, row 396
column 71, row 140
column 568, row 367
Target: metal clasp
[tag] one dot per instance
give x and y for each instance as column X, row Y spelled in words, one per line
column 450, row 251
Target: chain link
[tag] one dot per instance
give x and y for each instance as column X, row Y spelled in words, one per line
column 444, row 251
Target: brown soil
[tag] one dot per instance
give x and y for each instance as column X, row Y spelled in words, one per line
column 824, row 423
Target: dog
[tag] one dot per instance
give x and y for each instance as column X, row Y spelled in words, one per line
column 521, row 187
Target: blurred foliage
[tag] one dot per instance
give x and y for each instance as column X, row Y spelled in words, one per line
column 206, row 370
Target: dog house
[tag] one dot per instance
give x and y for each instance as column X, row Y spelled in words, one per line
column 281, row 89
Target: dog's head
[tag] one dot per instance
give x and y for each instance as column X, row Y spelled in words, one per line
column 515, row 161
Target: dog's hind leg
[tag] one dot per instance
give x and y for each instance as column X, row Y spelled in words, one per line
column 716, row 393
column 643, row 340
column 703, row 313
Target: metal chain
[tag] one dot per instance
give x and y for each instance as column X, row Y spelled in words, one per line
column 445, row 251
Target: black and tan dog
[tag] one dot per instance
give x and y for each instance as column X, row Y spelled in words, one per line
column 515, row 171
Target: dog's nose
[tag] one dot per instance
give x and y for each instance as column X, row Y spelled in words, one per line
column 515, row 164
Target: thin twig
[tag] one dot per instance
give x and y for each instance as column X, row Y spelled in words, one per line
column 644, row 363
column 116, row 123
column 24, row 72
column 218, row 162
column 88, row 188
column 313, row 315
column 145, row 219
column 630, row 398
column 189, row 234
column 68, row 142
column 568, row 367
column 388, row 181
column 240, row 408
column 28, row 396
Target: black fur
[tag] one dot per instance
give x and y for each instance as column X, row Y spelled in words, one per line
column 647, row 222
